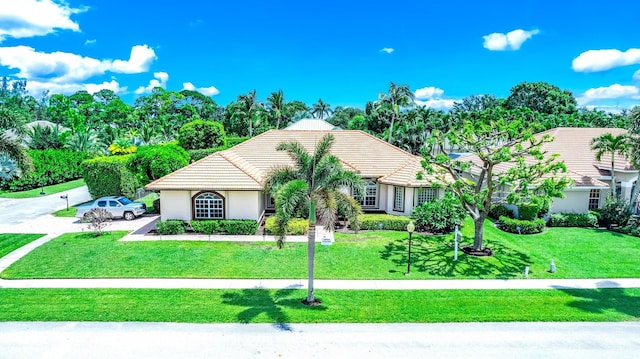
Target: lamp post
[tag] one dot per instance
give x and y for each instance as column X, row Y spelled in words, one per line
column 410, row 228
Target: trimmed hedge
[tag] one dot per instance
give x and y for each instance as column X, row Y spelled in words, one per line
column 152, row 162
column 388, row 221
column 109, row 176
column 49, row 167
column 526, row 227
column 296, row 227
column 228, row 226
column 498, row 210
column 232, row 140
column 528, row 211
column 573, row 220
column 170, row 226
column 197, row 155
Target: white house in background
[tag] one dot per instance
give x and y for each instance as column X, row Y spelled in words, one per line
column 229, row 184
column 592, row 179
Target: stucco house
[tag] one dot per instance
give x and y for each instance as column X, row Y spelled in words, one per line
column 592, row 179
column 229, row 184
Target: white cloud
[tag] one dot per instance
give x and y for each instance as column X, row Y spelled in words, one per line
column 610, row 92
column 439, row 104
column 509, row 41
column 636, row 76
column 428, row 92
column 388, row 50
column 207, row 91
column 602, row 60
column 160, row 80
column 64, row 67
column 35, row 88
column 29, row 18
column 90, row 42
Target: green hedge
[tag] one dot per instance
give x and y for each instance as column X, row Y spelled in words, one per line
column 228, row 226
column 232, row 140
column 296, row 227
column 109, row 176
column 199, row 134
column 49, row 167
column 170, row 226
column 528, row 211
column 526, row 227
column 197, row 155
column 499, row 210
column 388, row 221
column 152, row 162
column 573, row 220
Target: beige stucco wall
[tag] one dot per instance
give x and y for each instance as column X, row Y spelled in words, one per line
column 238, row 204
column 175, row 205
column 576, row 201
column 243, row 204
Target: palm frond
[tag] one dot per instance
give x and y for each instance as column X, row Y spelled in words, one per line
column 277, row 177
column 326, row 208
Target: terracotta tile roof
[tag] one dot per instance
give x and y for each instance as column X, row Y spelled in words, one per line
column 244, row 166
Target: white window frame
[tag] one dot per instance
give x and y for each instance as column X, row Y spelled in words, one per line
column 594, row 199
column 429, row 193
column 370, row 194
column 208, row 205
column 398, row 199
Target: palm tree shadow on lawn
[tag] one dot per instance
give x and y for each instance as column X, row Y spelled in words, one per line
column 434, row 256
column 601, row 300
column 260, row 301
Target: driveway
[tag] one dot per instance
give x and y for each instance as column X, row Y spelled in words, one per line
column 16, row 211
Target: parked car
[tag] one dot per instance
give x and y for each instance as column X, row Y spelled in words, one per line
column 116, row 206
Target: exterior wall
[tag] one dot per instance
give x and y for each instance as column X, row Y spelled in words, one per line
column 237, row 204
column 576, row 201
column 243, row 204
column 383, row 196
column 175, row 205
column 409, row 200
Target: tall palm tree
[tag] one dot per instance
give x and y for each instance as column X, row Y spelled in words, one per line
column 315, row 182
column 398, row 96
column 12, row 147
column 247, row 108
column 276, row 106
column 634, row 116
column 607, row 143
column 320, row 108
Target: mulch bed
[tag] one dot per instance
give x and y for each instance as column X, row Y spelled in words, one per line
column 484, row 252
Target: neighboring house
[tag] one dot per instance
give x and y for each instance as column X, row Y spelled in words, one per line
column 592, row 179
column 229, row 184
column 312, row 124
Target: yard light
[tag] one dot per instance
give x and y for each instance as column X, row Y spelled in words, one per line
column 410, row 228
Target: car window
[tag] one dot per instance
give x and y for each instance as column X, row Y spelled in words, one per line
column 124, row 200
column 113, row 204
column 102, row 203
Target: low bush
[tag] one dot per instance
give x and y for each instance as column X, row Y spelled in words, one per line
column 521, row 226
column 573, row 220
column 440, row 215
column 615, row 211
column 205, row 226
column 170, row 226
column 296, row 227
column 156, row 206
column 384, row 221
column 528, row 211
column 228, row 226
column 499, row 210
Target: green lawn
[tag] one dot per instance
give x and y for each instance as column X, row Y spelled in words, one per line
column 578, row 253
column 57, row 188
column 11, row 242
column 339, row 306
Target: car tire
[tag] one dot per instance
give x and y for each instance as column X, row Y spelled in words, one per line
column 129, row 216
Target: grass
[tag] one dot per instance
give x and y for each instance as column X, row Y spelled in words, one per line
column 339, row 306
column 71, row 212
column 11, row 242
column 578, row 253
column 56, row 188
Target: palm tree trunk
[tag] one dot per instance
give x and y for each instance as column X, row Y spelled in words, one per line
column 311, row 251
column 613, row 177
column 393, row 118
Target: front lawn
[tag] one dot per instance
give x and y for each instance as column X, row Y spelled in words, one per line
column 10, row 242
column 338, row 306
column 56, row 188
column 578, row 253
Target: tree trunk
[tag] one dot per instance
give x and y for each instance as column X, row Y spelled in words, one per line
column 311, row 251
column 633, row 201
column 393, row 118
column 479, row 233
column 613, row 178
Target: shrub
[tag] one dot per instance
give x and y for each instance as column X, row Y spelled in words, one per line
column 573, row 220
column 499, row 210
column 528, row 211
column 297, row 226
column 49, row 167
column 109, row 176
column 615, row 211
column 206, row 226
column 388, row 221
column 98, row 219
column 122, row 146
column 526, row 227
column 170, row 226
column 239, row 226
column 200, row 134
column 232, row 141
column 152, row 162
column 440, row 215
column 197, row 155
column 156, row 206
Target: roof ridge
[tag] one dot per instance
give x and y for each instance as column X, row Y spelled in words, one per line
column 238, row 166
column 402, row 166
column 180, row 170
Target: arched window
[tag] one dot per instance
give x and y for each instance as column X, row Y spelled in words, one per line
column 208, row 205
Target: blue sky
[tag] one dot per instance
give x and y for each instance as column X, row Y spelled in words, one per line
column 345, row 52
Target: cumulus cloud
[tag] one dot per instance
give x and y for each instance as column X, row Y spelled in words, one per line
column 388, row 50
column 36, row 88
column 602, row 60
column 207, row 91
column 636, row 76
column 510, row 41
column 90, row 42
column 160, row 80
column 64, row 67
column 610, row 92
column 430, row 97
column 29, row 18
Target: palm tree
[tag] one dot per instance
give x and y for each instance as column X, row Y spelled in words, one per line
column 315, row 182
column 320, row 108
column 276, row 106
column 398, row 96
column 12, row 147
column 634, row 116
column 608, row 143
column 248, row 107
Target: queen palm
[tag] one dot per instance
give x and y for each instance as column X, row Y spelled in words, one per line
column 276, row 106
column 398, row 96
column 320, row 108
column 314, row 181
column 247, row 108
column 607, row 143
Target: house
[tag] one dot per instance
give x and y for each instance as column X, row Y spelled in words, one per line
column 229, row 184
column 591, row 178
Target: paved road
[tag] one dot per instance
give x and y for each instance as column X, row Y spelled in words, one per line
column 15, row 211
column 461, row 340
